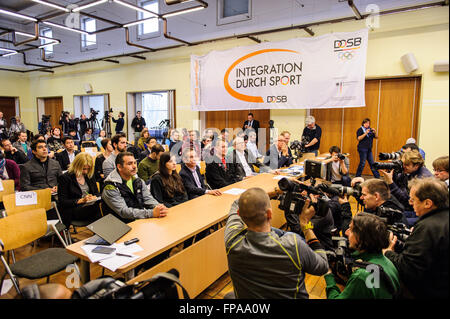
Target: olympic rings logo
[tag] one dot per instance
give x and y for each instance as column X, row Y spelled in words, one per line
column 345, row 55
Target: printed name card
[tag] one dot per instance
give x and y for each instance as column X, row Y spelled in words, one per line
column 26, row 198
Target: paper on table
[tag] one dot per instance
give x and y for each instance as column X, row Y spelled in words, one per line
column 94, row 257
column 235, row 191
column 120, row 248
column 117, row 261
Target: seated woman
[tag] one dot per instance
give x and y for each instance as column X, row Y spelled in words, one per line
column 98, row 170
column 167, row 186
column 9, row 170
column 54, row 142
column 77, row 187
column 143, row 140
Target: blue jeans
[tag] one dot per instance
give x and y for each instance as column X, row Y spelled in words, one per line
column 366, row 155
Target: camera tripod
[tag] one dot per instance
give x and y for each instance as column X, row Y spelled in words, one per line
column 107, row 125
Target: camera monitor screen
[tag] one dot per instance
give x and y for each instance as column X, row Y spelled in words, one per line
column 315, row 169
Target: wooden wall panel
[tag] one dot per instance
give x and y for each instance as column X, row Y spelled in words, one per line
column 53, row 107
column 8, row 107
column 330, row 120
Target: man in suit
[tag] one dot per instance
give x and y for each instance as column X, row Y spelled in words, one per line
column 277, row 155
column 217, row 174
column 193, row 180
column 68, row 155
column 250, row 124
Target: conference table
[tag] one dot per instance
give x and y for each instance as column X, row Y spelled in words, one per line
column 205, row 260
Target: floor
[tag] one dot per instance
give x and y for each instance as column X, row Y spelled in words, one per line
column 315, row 285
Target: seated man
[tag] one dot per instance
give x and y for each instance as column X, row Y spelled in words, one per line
column 149, row 165
column 252, row 146
column 277, row 155
column 423, row 263
column 68, row 155
column 74, row 135
column 337, row 169
column 193, row 180
column 119, row 144
column 9, row 170
column 23, row 145
column 41, row 171
column 367, row 236
column 217, row 174
column 440, row 167
column 266, row 262
column 127, row 196
column 13, row 153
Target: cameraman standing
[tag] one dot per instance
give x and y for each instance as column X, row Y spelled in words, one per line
column 365, row 135
column 367, row 235
column 119, row 122
column 312, row 133
column 423, row 263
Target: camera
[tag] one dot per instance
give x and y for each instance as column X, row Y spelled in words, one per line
column 339, row 190
column 341, row 156
column 292, row 201
column 396, row 165
column 402, row 232
column 339, row 259
column 389, row 215
column 390, row 156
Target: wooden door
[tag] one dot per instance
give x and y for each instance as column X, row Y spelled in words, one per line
column 8, row 108
column 53, row 106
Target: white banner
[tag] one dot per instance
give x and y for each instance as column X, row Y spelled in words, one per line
column 319, row 72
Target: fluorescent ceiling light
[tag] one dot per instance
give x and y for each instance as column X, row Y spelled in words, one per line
column 137, row 22
column 66, row 28
column 32, row 36
column 131, row 6
column 10, row 52
column 172, row 14
column 95, row 3
column 18, row 15
column 51, row 5
column 48, row 44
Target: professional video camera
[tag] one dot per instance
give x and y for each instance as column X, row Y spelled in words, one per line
column 402, row 232
column 390, row 156
column 160, row 286
column 396, row 165
column 339, row 190
column 292, row 201
column 94, row 113
column 45, row 124
column 389, row 215
column 340, row 260
column 299, row 147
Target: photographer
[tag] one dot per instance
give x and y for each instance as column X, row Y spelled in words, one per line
column 375, row 193
column 367, row 236
column 84, row 121
column 119, row 122
column 423, row 263
column 365, row 135
column 265, row 262
column 440, row 168
column 3, row 125
column 337, row 167
column 16, row 126
column 64, row 122
column 312, row 133
column 412, row 167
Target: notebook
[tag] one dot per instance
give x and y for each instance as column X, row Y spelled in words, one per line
column 107, row 229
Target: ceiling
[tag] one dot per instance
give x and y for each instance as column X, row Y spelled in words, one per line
column 118, row 44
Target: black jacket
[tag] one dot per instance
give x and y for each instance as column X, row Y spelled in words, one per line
column 120, row 123
column 216, row 174
column 37, row 175
column 189, row 183
column 63, row 159
column 138, row 121
column 255, row 126
column 235, row 167
column 69, row 192
column 423, row 263
column 18, row 157
column 275, row 161
column 159, row 192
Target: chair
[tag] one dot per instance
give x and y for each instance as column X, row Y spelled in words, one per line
column 20, row 229
column 44, row 200
column 8, row 188
column 202, row 167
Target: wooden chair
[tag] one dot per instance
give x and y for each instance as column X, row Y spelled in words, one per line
column 202, row 167
column 44, row 200
column 8, row 188
column 20, row 229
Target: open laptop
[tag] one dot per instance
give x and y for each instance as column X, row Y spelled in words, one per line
column 107, row 230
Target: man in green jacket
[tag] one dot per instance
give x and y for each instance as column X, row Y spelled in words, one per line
column 149, row 165
column 368, row 236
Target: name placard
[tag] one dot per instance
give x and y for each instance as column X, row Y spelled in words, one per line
column 26, row 198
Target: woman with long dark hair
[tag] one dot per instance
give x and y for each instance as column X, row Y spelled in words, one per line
column 167, row 186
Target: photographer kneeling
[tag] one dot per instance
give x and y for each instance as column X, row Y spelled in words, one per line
column 337, row 167
column 367, row 235
column 423, row 263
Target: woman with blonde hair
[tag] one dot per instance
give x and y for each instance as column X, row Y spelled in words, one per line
column 77, row 189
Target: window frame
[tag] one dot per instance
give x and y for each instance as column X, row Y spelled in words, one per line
column 48, row 54
column 87, row 47
column 221, row 20
column 139, row 27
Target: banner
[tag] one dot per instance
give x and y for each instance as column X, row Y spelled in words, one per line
column 320, row 72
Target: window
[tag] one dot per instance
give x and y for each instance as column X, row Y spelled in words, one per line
column 150, row 27
column 88, row 41
column 48, row 34
column 230, row 11
column 154, row 108
column 99, row 103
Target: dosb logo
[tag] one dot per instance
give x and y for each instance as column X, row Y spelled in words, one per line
column 277, row 99
column 349, row 43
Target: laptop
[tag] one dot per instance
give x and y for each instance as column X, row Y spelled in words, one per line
column 107, row 230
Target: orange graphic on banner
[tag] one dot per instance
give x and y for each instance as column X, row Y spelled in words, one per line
column 243, row 97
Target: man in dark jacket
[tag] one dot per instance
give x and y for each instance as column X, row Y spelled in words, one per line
column 423, row 263
column 13, row 153
column 217, row 175
column 138, row 125
column 277, row 155
column 41, row 171
column 193, row 180
column 119, row 122
column 68, row 155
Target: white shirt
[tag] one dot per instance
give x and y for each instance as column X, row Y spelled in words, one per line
column 254, row 149
column 71, row 156
column 247, row 169
column 335, row 174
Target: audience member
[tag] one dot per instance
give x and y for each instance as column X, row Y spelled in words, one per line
column 265, row 262
column 68, row 155
column 252, row 146
column 98, row 141
column 277, row 155
column 77, row 187
column 167, row 186
column 149, row 165
column 143, row 140
column 413, row 141
column 55, row 142
column 9, row 170
column 127, row 196
column 119, row 144
column 12, row 153
column 440, row 167
column 23, row 145
column 98, row 167
column 423, row 263
column 88, row 136
column 216, row 173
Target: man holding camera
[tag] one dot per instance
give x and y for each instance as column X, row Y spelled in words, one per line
column 120, row 122
column 337, row 167
column 376, row 277
column 365, row 135
column 312, row 133
column 265, row 262
column 423, row 263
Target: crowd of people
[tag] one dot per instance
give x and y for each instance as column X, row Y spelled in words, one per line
column 142, row 180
